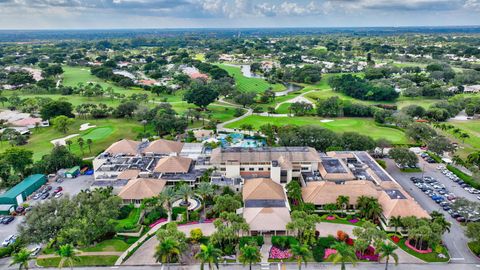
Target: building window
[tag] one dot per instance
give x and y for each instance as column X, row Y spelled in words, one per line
column 304, row 168
column 260, row 169
column 251, row 169
column 242, row 169
column 223, row 169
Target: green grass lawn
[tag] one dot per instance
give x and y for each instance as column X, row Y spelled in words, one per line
column 362, row 125
column 108, row 245
column 129, row 222
column 472, row 144
column 81, row 261
column 245, row 84
column 106, row 132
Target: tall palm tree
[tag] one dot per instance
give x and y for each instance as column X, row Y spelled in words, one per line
column 387, row 251
column 342, row 202
column 21, row 258
column 345, row 254
column 167, row 197
column 440, row 220
column 210, row 255
column 301, row 253
column 205, row 190
column 395, row 222
column 167, row 250
column 67, row 254
column 369, row 207
column 81, row 143
column 185, row 191
column 249, row 254
column 89, row 144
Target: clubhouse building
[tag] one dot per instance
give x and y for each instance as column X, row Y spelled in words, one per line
column 140, row 170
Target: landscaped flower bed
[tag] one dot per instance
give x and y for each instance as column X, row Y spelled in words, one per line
column 395, row 239
column 276, row 253
column 330, row 218
column 355, row 220
column 368, row 255
column 328, row 252
column 426, row 251
column 157, row 222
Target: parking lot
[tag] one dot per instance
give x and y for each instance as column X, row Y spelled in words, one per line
column 455, row 240
column 70, row 187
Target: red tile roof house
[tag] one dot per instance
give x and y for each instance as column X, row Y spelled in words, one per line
column 198, row 75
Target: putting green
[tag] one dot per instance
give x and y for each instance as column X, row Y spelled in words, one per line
column 98, row 133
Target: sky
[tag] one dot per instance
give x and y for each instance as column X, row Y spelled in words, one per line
column 104, row 14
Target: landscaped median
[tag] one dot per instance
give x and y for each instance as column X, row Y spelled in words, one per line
column 427, row 255
column 96, row 260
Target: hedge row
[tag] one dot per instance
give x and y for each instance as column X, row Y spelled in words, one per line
column 465, row 177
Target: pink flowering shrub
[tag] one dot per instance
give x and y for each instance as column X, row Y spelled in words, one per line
column 328, row 252
column 330, row 218
column 355, row 220
column 276, row 253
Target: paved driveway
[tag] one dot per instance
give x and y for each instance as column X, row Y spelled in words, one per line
column 144, row 254
column 455, row 241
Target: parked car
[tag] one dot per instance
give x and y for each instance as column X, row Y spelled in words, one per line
column 7, row 220
column 45, row 195
column 9, row 240
column 57, row 190
column 37, row 195
column 20, row 209
column 58, row 195
column 34, row 251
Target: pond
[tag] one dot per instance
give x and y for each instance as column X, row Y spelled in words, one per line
column 290, row 87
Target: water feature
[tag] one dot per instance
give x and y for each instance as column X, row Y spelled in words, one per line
column 290, row 87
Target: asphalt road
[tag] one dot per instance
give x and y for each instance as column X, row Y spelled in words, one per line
column 455, row 241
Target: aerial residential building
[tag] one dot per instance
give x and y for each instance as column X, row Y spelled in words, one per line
column 141, row 188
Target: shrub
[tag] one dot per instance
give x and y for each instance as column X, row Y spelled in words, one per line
column 284, row 242
column 474, row 247
column 322, row 244
column 154, row 215
column 466, row 178
column 246, row 240
column 125, row 211
column 196, row 234
column 176, row 211
column 341, row 235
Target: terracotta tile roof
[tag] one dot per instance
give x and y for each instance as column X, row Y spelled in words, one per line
column 174, row 164
column 142, row 188
column 128, row 174
column 264, row 154
column 267, row 219
column 124, row 146
column 262, row 189
column 401, row 207
column 164, row 147
column 321, row 193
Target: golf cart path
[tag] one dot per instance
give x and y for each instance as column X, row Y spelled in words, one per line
column 221, row 126
column 298, row 98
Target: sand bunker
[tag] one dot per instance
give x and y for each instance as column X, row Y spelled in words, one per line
column 61, row 141
column 326, row 120
column 85, row 126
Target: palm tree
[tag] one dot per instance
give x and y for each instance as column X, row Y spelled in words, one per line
column 249, row 255
column 167, row 250
column 345, row 254
column 167, row 197
column 21, row 258
column 205, row 190
column 69, row 144
column 185, row 191
column 301, row 253
column 210, row 255
column 440, row 220
column 386, row 251
column 342, row 202
column 81, row 142
column 67, row 254
column 369, row 207
column 395, row 222
column 89, row 143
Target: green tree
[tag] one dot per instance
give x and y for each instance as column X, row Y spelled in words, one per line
column 167, row 250
column 55, row 108
column 303, row 225
column 369, row 207
column 62, row 123
column 89, row 144
column 185, row 191
column 343, row 202
column 301, row 252
column 249, row 254
column 22, row 259
column 345, row 254
column 395, row 222
column 200, row 94
column 387, row 251
column 20, row 159
column 167, row 197
column 403, row 157
column 226, row 203
column 245, row 98
column 67, row 255
column 81, row 143
column 209, row 255
column 205, row 190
